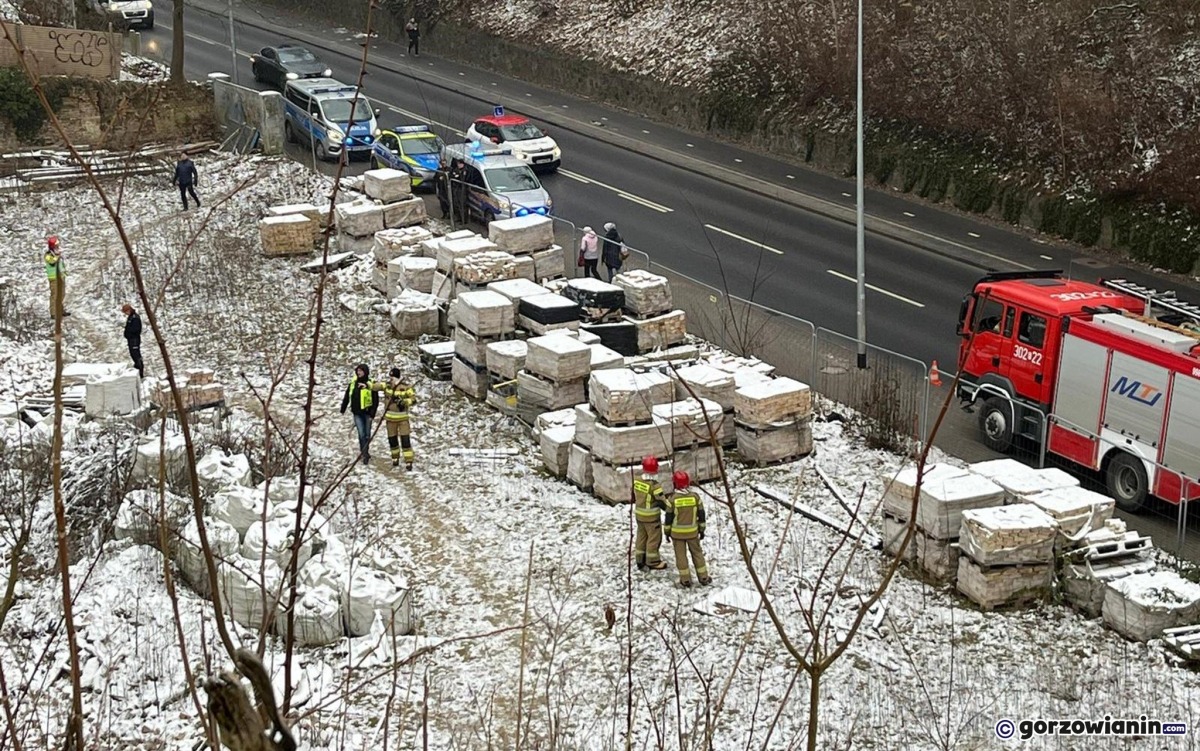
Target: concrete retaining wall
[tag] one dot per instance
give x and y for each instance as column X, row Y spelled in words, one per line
column 241, row 108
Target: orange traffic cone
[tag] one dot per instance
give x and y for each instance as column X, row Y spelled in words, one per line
column 935, row 378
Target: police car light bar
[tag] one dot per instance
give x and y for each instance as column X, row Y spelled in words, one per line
column 492, row 151
column 334, row 90
column 411, row 129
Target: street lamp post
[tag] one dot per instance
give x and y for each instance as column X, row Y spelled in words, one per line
column 232, row 45
column 861, row 287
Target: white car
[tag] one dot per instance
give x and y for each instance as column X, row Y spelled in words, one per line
column 131, row 13
column 524, row 139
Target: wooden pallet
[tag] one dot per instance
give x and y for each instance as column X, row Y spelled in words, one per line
column 1185, row 640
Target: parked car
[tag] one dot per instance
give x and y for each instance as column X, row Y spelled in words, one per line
column 133, row 14
column 499, row 185
column 286, row 62
column 526, row 141
column 409, row 148
column 331, row 116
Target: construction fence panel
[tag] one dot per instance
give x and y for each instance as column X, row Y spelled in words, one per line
column 741, row 326
column 891, row 391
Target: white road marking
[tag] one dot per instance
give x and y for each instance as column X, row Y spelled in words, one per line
column 880, row 290
column 739, row 161
column 972, row 234
column 691, row 145
column 746, row 240
column 622, row 193
column 646, row 132
column 909, row 214
column 1046, row 258
column 847, row 195
column 791, row 177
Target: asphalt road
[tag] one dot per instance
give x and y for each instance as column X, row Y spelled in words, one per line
column 779, row 230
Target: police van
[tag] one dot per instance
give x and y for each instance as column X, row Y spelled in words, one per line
column 325, row 112
column 499, row 185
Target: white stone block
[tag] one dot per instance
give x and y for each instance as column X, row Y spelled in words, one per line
column 387, row 184
column 359, row 219
column 522, row 234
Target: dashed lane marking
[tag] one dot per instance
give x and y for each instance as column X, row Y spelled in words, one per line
column 880, row 290
column 746, row 240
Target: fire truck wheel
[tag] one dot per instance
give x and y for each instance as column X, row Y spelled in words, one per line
column 1127, row 482
column 995, row 423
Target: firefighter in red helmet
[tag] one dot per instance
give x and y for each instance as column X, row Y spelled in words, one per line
column 648, row 504
column 685, row 529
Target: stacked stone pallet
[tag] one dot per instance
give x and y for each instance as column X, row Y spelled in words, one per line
column 625, row 428
column 773, row 420
column 530, row 237
column 659, row 332
column 197, row 388
column 703, row 381
column 599, row 302
column 505, row 359
column 695, row 451
column 287, row 234
column 393, row 190
column 414, row 314
column 946, row 492
column 357, row 223
column 555, row 373
column 390, row 248
column 1020, row 480
column 478, row 270
column 318, row 218
column 450, row 250
column 516, row 289
column 1085, row 577
column 1007, row 555
column 411, row 273
column 1077, row 512
column 1142, row 606
column 646, row 294
column 482, row 317
column 542, row 314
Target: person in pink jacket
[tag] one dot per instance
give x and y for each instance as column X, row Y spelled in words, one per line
column 589, row 253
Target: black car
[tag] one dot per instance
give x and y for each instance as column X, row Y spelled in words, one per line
column 287, row 62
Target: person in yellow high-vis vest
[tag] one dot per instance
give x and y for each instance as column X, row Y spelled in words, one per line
column 648, row 505
column 360, row 398
column 56, row 273
column 685, row 529
column 399, row 396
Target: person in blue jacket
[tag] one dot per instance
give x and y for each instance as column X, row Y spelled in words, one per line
column 186, row 178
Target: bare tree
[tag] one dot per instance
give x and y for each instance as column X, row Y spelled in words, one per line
column 177, row 42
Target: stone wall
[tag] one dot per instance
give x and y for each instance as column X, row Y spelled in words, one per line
column 239, row 107
column 117, row 115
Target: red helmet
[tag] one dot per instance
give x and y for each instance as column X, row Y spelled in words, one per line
column 52, row 241
column 650, row 465
column 681, row 480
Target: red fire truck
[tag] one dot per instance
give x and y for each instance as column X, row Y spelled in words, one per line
column 1106, row 375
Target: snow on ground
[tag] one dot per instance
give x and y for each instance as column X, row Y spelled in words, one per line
column 474, row 538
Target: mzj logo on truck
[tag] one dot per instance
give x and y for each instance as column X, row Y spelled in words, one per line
column 1137, row 391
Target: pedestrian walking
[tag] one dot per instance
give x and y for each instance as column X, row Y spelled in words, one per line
column 399, row 396
column 648, row 505
column 360, row 398
column 614, row 250
column 685, row 530
column 133, row 337
column 458, row 189
column 186, row 178
column 589, row 253
column 56, row 274
column 414, row 37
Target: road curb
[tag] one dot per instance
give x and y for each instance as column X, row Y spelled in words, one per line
column 874, row 225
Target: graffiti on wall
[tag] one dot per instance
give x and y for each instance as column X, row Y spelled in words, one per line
column 53, row 51
column 81, row 47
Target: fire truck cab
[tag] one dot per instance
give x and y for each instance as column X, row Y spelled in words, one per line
column 1106, row 375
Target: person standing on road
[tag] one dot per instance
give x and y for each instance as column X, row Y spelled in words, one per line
column 414, row 37
column 360, row 398
column 614, row 250
column 133, row 337
column 56, row 274
column 589, row 253
column 186, row 178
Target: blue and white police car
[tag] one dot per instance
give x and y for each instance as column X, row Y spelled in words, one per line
column 325, row 112
column 414, row 149
column 499, row 185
